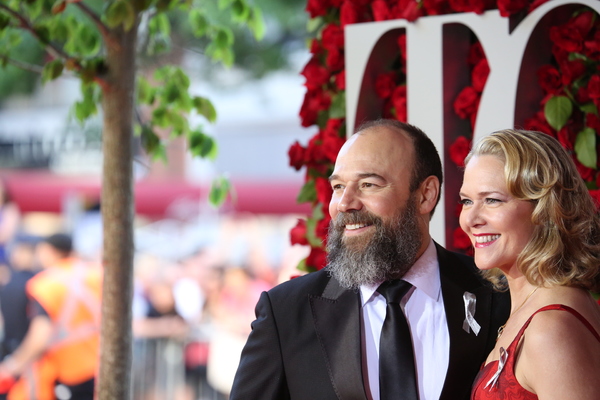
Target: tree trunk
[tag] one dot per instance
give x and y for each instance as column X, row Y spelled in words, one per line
column 117, row 212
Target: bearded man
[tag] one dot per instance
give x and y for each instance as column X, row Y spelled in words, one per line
column 321, row 336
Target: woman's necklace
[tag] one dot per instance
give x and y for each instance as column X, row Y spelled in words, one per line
column 501, row 329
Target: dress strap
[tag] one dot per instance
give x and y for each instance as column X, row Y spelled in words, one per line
column 561, row 307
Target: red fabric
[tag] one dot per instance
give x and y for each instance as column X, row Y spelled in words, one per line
column 507, row 386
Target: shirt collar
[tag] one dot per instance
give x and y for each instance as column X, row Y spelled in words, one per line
column 424, row 275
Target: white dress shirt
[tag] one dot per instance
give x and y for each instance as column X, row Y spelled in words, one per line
column 424, row 307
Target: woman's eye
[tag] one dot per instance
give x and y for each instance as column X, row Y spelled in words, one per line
column 490, row 200
column 464, row 202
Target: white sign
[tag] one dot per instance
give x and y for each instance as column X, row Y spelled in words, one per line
column 504, row 51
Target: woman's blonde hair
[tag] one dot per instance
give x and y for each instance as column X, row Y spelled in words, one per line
column 564, row 249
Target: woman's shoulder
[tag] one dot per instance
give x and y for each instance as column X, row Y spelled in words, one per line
column 557, row 345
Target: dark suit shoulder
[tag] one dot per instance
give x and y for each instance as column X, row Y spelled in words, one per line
column 313, row 283
column 460, row 269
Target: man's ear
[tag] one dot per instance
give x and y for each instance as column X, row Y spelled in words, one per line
column 427, row 194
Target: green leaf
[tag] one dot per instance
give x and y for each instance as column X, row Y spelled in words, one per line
column 240, row 11
column 311, row 226
column 223, row 38
column 150, row 140
column 205, row 108
column 256, row 23
column 314, row 24
column 160, row 24
column 52, row 70
column 585, row 147
column 308, row 193
column 4, row 21
column 145, row 91
column 338, row 106
column 589, row 108
column 88, row 41
column 557, row 111
column 303, row 266
column 199, row 23
column 202, row 145
column 59, row 30
column 116, row 14
column 223, row 4
column 220, row 188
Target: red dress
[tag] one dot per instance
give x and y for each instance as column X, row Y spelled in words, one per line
column 499, row 383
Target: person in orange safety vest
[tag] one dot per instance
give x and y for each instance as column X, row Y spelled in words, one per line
column 58, row 359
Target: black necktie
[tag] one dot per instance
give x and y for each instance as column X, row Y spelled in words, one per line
column 397, row 378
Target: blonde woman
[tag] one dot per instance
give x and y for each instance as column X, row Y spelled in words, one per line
column 535, row 230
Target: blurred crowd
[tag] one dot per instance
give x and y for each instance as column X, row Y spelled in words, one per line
column 191, row 314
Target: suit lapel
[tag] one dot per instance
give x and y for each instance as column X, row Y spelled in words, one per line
column 337, row 321
column 466, row 348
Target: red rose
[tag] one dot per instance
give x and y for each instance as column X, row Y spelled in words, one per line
column 476, row 6
column 571, row 71
column 466, row 102
column 323, row 224
column 317, row 258
column 566, row 136
column 436, row 7
column 324, row 191
column 549, row 79
column 480, row 74
column 593, row 121
column 296, row 155
column 538, row 123
column 459, row 150
column 511, row 7
column 560, row 55
column 314, row 101
column 412, row 11
column 586, row 173
column 380, row 9
column 348, row 13
column 333, row 37
column 567, row 38
column 315, row 47
column 316, row 75
column 582, row 23
column 335, row 60
column 476, row 53
column 596, row 198
column 592, row 46
column 332, row 142
column 593, row 87
column 314, row 150
column 340, row 80
column 385, row 84
column 316, row 8
column 535, row 5
column 402, row 46
column 298, row 233
column 460, row 240
column 399, row 102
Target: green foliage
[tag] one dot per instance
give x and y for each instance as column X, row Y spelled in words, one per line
column 558, row 110
column 585, row 147
column 220, row 189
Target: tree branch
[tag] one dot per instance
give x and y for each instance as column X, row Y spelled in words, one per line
column 22, row 65
column 104, row 30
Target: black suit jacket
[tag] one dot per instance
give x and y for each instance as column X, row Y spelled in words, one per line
column 306, row 340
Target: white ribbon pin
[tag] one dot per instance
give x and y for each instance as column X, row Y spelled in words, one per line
column 501, row 362
column 470, row 323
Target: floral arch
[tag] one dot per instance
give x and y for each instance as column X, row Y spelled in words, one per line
column 558, row 93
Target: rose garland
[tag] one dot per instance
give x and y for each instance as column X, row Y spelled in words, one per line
column 568, row 110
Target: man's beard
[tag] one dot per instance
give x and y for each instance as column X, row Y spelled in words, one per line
column 388, row 254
